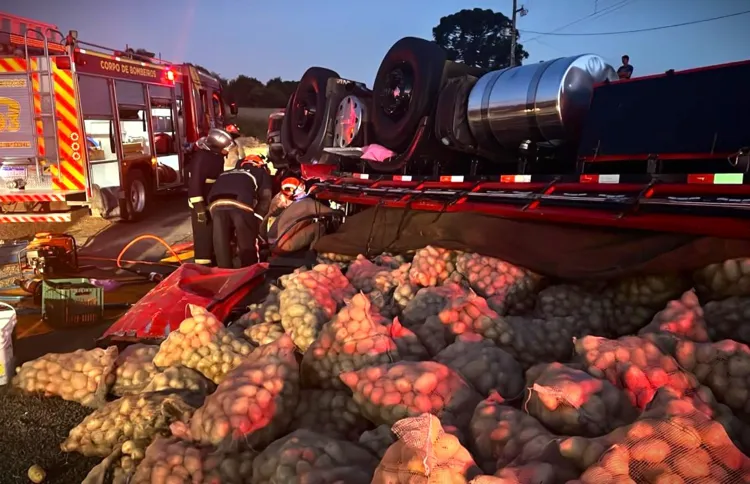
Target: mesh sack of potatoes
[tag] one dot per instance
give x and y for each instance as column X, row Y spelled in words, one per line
column 169, row 460
column 265, row 312
column 502, row 435
column 484, row 365
column 388, row 393
column 410, row 347
column 425, row 453
column 310, row 299
column 592, row 311
column 132, row 417
column 328, row 257
column 671, row 442
column 330, row 412
column 134, row 368
column 392, row 261
column 404, row 294
column 180, row 378
column 307, row 456
column 511, row 289
column 572, row 402
column 355, row 338
column 263, row 333
column 362, row 273
column 202, row 343
column 81, row 376
column 432, row 266
column 729, row 319
column 682, row 317
column 723, row 280
column 119, row 466
column 378, row 440
column 255, row 403
column 724, row 367
column 536, row 473
column 430, row 301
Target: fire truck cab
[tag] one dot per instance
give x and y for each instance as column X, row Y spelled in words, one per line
column 81, row 123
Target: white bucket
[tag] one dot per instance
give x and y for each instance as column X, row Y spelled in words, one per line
column 7, row 324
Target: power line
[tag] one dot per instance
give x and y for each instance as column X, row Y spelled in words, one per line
column 636, row 31
column 594, row 15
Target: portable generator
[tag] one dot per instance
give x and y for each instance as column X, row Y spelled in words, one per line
column 50, row 253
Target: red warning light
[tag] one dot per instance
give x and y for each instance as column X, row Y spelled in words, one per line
column 170, row 76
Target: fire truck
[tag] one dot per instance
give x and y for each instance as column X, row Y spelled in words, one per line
column 79, row 121
column 561, row 141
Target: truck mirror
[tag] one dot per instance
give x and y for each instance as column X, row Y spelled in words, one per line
column 233, row 109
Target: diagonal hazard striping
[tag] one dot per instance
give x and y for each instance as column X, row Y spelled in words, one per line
column 37, row 88
column 72, row 172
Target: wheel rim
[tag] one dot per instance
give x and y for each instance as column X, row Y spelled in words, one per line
column 397, row 92
column 348, row 121
column 137, row 196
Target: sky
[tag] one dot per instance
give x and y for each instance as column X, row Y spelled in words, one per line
column 266, row 39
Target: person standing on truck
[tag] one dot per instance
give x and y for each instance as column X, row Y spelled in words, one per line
column 205, row 167
column 626, row 69
column 238, row 202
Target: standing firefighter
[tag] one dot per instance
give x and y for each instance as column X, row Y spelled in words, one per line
column 238, row 202
column 206, row 166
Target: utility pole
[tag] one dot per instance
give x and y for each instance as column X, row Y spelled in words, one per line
column 514, row 32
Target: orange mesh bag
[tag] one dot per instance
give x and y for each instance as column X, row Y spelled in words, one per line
column 330, row 412
column 202, row 343
column 591, row 311
column 673, row 441
column 180, row 378
column 388, row 393
column 729, row 319
column 424, row 454
column 134, row 368
column 536, row 473
column 310, row 299
column 682, row 317
column 432, row 266
column 255, row 403
column 572, row 402
column 431, row 301
column 484, row 365
column 410, row 347
column 355, row 338
column 169, row 460
column 306, row 456
column 81, row 376
column 132, row 417
column 378, row 440
column 508, row 288
column 723, row 280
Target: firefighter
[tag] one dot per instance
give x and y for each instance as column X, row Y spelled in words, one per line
column 238, row 202
column 205, row 167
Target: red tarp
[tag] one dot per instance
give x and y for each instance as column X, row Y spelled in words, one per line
column 164, row 307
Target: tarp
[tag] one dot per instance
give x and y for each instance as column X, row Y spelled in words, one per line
column 164, row 307
column 563, row 251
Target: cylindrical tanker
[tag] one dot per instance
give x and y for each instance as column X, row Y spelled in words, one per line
column 544, row 103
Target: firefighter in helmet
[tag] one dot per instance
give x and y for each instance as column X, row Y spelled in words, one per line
column 238, row 202
column 205, row 167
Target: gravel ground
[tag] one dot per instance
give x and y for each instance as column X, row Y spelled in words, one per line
column 31, row 430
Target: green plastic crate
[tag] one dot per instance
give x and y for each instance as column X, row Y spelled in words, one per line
column 72, row 302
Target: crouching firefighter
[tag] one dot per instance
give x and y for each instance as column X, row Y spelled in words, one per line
column 238, row 202
column 205, row 167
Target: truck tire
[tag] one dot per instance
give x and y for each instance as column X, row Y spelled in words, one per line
column 138, row 195
column 305, row 115
column 414, row 68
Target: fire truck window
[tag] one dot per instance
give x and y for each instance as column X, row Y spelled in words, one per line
column 217, row 107
column 100, row 139
column 130, row 93
column 134, row 130
column 165, row 141
column 181, row 120
column 205, row 116
column 95, row 98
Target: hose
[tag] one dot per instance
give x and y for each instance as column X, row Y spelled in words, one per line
column 119, row 260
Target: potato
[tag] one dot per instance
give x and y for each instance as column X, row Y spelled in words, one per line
column 682, row 317
column 729, row 319
column 134, row 368
column 432, row 266
column 720, row 281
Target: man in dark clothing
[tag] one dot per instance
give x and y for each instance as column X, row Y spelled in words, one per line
column 205, row 167
column 238, row 201
column 626, row 69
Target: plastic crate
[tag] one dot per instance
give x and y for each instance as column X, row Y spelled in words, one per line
column 72, row 302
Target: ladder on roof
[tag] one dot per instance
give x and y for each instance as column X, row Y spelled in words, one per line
column 46, row 115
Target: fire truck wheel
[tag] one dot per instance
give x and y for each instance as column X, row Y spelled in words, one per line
column 406, row 86
column 309, row 103
column 137, row 195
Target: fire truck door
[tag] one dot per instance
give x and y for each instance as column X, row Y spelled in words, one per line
column 17, row 141
column 167, row 140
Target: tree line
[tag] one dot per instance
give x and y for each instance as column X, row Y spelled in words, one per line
column 478, row 37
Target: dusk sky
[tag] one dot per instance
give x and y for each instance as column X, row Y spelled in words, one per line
column 283, row 38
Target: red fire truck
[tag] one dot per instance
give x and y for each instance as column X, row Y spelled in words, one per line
column 80, row 121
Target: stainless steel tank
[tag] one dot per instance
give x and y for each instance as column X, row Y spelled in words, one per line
column 544, row 102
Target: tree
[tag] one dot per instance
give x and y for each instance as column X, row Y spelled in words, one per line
column 479, row 38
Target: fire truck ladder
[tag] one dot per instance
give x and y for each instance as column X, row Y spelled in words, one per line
column 47, row 114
